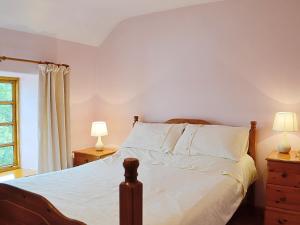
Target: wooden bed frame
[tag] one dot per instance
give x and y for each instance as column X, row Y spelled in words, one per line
column 21, row 207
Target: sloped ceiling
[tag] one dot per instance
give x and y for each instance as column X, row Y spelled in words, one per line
column 83, row 21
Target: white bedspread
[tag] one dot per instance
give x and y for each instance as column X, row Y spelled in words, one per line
column 178, row 190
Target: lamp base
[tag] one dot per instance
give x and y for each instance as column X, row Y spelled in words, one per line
column 99, row 145
column 284, row 149
column 284, row 146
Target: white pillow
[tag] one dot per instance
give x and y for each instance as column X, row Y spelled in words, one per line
column 183, row 145
column 215, row 140
column 159, row 137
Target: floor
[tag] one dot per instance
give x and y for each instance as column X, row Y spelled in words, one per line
column 247, row 216
column 14, row 174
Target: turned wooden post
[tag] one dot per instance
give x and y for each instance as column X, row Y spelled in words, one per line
column 131, row 195
column 252, row 137
column 135, row 120
column 252, row 152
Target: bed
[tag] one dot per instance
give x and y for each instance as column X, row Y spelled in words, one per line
column 177, row 190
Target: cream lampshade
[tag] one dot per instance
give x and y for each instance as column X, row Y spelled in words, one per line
column 99, row 129
column 285, row 122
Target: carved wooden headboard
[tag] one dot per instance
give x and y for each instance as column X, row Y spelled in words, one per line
column 252, row 132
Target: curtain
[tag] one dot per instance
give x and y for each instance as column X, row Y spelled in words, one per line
column 54, row 118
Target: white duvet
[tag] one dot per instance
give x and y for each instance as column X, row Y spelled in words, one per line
column 178, row 190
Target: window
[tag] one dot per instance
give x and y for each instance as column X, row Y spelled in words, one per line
column 9, row 149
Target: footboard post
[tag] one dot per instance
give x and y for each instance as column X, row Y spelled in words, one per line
column 131, row 195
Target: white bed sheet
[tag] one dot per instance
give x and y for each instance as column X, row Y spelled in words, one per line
column 178, row 190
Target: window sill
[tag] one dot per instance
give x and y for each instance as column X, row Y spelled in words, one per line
column 15, row 174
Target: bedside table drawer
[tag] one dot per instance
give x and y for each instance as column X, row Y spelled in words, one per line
column 91, row 154
column 281, row 217
column 283, row 197
column 80, row 159
column 284, row 174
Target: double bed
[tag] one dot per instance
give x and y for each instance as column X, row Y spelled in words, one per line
column 177, row 189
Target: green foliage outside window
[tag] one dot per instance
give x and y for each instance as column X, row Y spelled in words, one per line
column 6, row 134
column 6, row 113
column 6, row 91
column 6, row 156
column 6, row 130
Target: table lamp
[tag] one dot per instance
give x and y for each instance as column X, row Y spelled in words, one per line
column 99, row 129
column 285, row 122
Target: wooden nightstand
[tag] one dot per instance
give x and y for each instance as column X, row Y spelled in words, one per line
column 90, row 154
column 283, row 189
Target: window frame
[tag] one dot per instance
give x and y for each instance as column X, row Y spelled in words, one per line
column 15, row 121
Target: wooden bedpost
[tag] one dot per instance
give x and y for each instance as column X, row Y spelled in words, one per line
column 131, row 195
column 135, row 119
column 251, row 151
column 252, row 137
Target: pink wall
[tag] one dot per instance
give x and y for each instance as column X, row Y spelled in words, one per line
column 82, row 60
column 230, row 62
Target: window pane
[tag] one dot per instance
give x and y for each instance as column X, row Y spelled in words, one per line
column 7, row 156
column 6, row 113
column 6, row 91
column 6, row 134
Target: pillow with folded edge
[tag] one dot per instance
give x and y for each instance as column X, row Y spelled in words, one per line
column 160, row 137
column 214, row 140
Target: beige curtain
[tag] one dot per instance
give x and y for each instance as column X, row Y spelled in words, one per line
column 54, row 118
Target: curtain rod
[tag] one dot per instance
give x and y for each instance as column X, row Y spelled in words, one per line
column 3, row 58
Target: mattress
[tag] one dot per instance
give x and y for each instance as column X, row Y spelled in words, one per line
column 178, row 189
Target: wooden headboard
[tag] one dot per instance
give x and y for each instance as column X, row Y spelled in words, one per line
column 252, row 132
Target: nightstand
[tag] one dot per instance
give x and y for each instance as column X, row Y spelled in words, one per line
column 283, row 189
column 91, row 154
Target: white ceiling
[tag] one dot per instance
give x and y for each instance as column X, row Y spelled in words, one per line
column 84, row 21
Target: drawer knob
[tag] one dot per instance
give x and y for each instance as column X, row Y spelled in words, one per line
column 284, row 174
column 282, row 199
column 280, row 221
